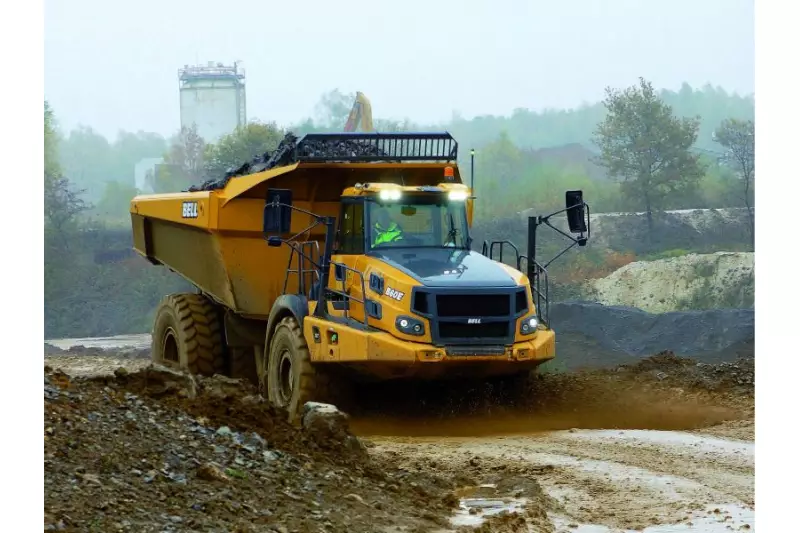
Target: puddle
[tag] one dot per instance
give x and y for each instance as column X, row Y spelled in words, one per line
column 473, row 511
column 477, row 503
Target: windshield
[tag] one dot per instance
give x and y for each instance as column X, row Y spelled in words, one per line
column 432, row 222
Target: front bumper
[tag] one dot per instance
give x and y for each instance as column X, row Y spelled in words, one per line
column 373, row 348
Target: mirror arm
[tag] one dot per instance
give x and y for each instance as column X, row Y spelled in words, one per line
column 293, row 208
column 304, row 230
column 565, row 250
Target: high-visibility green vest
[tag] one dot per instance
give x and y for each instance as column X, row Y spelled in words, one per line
column 393, row 233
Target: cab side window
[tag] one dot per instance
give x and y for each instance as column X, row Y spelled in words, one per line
column 351, row 229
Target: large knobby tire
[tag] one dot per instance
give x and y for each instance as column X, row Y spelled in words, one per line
column 289, row 377
column 188, row 334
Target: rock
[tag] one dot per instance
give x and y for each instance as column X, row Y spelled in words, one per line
column 91, row 478
column 270, row 455
column 329, row 427
column 162, row 381
column 356, row 497
column 222, row 387
column 121, row 373
column 224, row 431
column 211, row 472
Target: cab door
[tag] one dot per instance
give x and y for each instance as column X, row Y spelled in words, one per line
column 349, row 251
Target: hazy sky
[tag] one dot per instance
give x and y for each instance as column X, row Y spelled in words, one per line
column 113, row 65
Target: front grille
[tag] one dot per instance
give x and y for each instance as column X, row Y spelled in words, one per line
column 473, row 305
column 476, row 350
column 489, row 330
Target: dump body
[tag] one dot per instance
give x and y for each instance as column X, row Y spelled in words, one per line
column 215, row 240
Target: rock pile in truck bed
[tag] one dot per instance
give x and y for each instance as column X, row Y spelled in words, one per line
column 289, row 150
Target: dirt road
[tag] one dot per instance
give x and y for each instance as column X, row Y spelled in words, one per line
column 619, row 480
column 679, row 455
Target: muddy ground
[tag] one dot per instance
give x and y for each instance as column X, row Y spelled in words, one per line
column 665, row 444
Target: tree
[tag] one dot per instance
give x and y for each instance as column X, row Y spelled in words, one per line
column 646, row 148
column 241, row 146
column 129, row 149
column 738, row 137
column 115, row 202
column 183, row 164
column 51, row 164
column 90, row 160
column 62, row 202
column 333, row 109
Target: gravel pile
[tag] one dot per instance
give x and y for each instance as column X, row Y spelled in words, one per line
column 156, row 450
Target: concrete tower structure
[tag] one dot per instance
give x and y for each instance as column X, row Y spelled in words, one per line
column 212, row 98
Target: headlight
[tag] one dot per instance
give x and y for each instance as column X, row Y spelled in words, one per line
column 529, row 325
column 409, row 325
column 458, row 196
column 389, row 194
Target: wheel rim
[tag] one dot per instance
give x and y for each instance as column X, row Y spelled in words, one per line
column 170, row 350
column 285, row 378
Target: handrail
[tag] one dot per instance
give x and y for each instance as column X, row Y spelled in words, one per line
column 490, row 248
column 349, row 296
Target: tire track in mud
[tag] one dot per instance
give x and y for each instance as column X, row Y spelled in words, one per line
column 618, row 479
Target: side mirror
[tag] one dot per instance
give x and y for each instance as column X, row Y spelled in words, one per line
column 576, row 212
column 278, row 211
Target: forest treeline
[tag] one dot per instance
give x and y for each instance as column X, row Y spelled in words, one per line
column 104, row 169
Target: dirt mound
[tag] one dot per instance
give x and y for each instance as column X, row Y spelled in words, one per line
column 737, row 377
column 664, row 392
column 692, row 281
column 156, row 450
column 595, row 336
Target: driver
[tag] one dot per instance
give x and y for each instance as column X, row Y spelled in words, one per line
column 386, row 229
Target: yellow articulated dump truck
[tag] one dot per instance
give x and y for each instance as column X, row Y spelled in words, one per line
column 344, row 257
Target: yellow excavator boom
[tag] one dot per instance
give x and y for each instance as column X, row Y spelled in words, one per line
column 360, row 113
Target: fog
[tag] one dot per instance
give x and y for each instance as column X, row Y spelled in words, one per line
column 113, row 66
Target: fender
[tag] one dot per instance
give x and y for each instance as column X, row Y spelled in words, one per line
column 286, row 305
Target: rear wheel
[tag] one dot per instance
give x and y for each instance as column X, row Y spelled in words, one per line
column 187, row 334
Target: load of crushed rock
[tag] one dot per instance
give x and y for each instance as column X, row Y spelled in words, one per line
column 289, row 151
column 159, row 450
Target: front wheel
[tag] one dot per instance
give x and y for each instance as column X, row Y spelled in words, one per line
column 289, row 377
